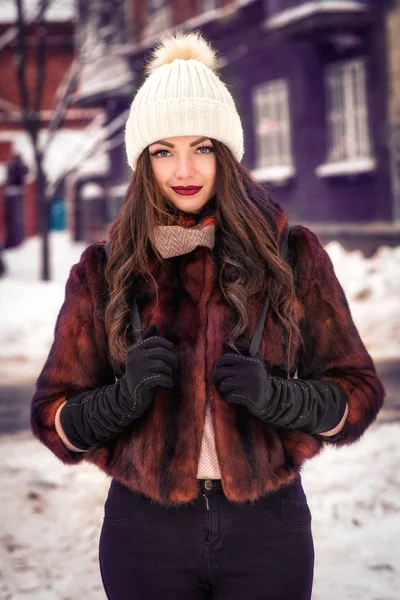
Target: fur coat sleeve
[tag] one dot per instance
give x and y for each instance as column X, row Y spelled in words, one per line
column 78, row 359
column 333, row 350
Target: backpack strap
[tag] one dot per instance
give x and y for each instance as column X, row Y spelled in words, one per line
column 256, row 339
column 135, row 317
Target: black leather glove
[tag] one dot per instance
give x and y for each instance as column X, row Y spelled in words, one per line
column 95, row 415
column 308, row 405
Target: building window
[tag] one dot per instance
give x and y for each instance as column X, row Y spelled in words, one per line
column 206, row 5
column 348, row 131
column 158, row 17
column 271, row 107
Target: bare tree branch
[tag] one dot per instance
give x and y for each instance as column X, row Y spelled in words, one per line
column 40, row 57
column 11, row 34
column 67, row 85
column 99, row 31
column 31, row 118
column 8, row 36
column 94, row 126
column 12, row 110
column 64, row 98
column 112, row 137
column 21, row 54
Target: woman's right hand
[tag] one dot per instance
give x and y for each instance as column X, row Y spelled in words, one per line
column 149, row 363
column 95, row 415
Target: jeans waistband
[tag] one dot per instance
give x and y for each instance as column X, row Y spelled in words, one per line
column 293, row 489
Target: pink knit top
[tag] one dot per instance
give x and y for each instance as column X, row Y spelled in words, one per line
column 208, row 463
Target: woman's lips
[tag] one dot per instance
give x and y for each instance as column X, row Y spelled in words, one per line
column 189, row 190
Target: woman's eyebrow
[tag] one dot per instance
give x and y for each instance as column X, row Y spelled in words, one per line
column 164, row 143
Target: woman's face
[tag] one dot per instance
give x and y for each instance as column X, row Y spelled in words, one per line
column 185, row 168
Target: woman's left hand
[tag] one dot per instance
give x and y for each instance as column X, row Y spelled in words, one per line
column 244, row 380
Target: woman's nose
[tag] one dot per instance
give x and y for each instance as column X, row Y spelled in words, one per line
column 184, row 168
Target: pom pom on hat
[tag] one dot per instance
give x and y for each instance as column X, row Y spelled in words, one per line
column 191, row 46
column 182, row 95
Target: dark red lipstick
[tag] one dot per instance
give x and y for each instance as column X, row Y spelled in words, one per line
column 187, row 190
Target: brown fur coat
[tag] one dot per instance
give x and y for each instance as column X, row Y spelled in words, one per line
column 158, row 454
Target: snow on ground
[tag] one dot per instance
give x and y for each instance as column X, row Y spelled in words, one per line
column 29, row 307
column 50, row 521
column 372, row 287
column 52, row 515
column 354, row 497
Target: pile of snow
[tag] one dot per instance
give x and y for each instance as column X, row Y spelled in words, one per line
column 372, row 287
column 51, row 517
column 91, row 190
column 28, row 306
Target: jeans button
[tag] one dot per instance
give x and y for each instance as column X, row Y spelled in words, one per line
column 208, row 484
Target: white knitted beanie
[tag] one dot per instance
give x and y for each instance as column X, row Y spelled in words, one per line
column 182, row 95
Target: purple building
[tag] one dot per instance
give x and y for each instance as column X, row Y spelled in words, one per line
column 310, row 82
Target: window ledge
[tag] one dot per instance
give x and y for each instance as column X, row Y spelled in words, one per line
column 346, row 167
column 308, row 9
column 279, row 173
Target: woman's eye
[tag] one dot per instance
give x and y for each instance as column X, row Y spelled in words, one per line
column 208, row 148
column 158, row 152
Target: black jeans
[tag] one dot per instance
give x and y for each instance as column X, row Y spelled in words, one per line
column 261, row 550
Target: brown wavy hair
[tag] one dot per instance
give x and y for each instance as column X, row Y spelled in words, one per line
column 246, row 233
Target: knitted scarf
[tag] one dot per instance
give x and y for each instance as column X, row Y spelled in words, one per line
column 186, row 230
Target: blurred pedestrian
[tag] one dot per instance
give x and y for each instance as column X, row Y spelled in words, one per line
column 198, row 364
column 16, row 171
column 14, row 213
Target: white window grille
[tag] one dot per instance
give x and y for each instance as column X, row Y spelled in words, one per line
column 271, row 106
column 158, row 17
column 347, row 112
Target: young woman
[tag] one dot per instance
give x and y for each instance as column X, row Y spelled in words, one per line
column 198, row 366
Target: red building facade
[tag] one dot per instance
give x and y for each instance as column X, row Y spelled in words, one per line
column 58, row 58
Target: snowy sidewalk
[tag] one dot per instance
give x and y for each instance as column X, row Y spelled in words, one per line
column 51, row 516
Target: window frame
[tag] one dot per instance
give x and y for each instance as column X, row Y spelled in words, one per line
column 274, row 159
column 349, row 142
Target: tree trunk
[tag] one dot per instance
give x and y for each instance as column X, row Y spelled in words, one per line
column 43, row 215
